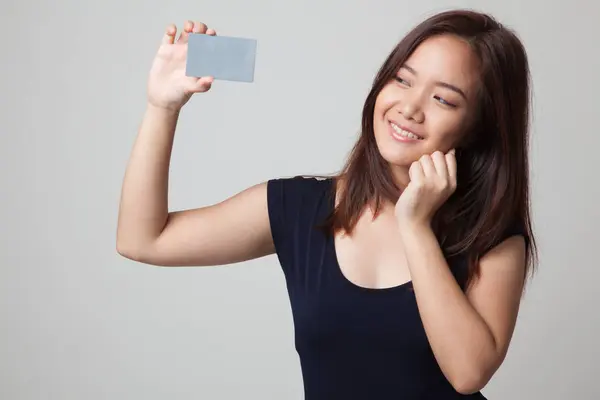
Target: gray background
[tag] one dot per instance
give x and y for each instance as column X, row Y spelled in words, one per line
column 80, row 322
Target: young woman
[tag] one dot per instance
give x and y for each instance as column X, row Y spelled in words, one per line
column 405, row 271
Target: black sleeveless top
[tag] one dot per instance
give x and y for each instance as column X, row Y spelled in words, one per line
column 353, row 342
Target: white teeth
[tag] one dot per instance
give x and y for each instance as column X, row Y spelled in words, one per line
column 404, row 133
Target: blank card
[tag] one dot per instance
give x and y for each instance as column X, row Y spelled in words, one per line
column 222, row 57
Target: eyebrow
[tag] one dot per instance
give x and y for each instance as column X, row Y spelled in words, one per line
column 438, row 83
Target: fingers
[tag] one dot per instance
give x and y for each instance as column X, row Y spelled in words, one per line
column 429, row 168
column 199, row 27
column 451, row 163
column 438, row 165
column 415, row 172
column 203, row 84
column 187, row 28
column 169, row 37
column 439, row 161
column 191, row 27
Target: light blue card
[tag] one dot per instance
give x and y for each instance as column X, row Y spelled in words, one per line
column 222, row 57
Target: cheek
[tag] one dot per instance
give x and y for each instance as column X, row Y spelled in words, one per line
column 448, row 127
column 385, row 100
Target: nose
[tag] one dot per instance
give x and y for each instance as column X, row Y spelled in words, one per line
column 411, row 109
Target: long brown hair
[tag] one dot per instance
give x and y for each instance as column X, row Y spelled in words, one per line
column 492, row 196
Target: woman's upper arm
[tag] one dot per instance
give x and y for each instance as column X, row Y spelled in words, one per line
column 496, row 293
column 234, row 230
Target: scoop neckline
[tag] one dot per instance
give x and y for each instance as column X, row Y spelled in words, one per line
column 336, row 262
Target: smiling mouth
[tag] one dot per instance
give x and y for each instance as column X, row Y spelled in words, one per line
column 404, row 134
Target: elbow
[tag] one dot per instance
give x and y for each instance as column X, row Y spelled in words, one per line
column 470, row 377
column 127, row 251
column 142, row 252
column 469, row 381
column 468, row 385
column 131, row 250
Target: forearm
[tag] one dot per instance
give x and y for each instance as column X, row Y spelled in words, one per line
column 144, row 197
column 460, row 339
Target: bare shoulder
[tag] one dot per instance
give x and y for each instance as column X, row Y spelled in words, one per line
column 505, row 261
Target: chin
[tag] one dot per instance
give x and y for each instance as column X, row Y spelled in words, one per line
column 398, row 154
column 394, row 157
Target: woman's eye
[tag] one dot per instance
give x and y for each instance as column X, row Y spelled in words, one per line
column 444, row 102
column 402, row 81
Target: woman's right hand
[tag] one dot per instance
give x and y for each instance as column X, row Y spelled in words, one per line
column 168, row 86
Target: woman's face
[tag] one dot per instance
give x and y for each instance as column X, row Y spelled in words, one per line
column 429, row 105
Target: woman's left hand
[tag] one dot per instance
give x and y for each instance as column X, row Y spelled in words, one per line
column 432, row 182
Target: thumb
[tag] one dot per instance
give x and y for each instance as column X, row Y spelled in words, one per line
column 203, row 84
